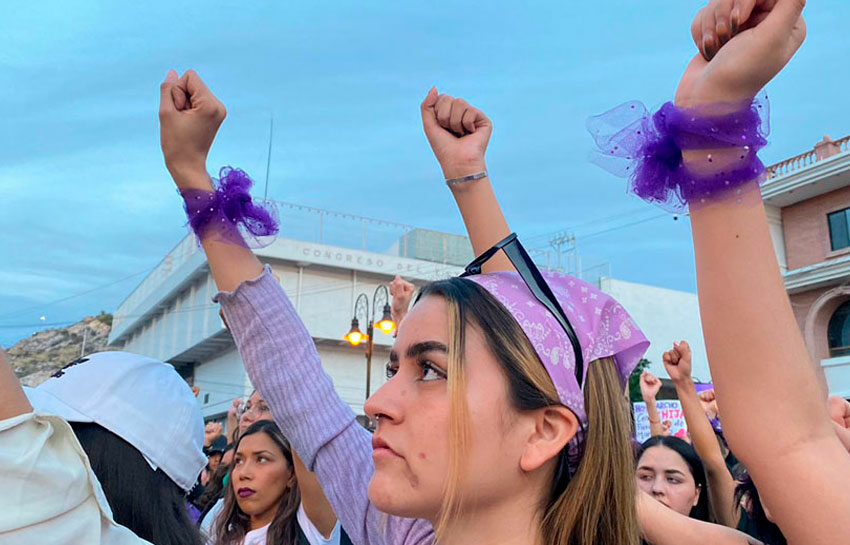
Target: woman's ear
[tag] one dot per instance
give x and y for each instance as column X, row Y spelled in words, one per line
column 552, row 428
column 697, row 495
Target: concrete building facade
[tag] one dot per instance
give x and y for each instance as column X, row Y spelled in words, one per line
column 170, row 314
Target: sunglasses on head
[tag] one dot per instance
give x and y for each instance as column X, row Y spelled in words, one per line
column 532, row 277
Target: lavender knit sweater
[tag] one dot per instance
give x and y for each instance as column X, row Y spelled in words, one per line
column 283, row 365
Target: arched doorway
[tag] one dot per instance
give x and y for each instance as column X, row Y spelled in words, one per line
column 838, row 331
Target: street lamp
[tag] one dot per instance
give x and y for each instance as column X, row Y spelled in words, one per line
column 355, row 337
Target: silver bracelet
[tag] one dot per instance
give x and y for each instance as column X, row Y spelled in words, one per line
column 470, row 178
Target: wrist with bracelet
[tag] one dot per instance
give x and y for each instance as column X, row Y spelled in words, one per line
column 680, row 157
column 451, row 182
column 228, row 213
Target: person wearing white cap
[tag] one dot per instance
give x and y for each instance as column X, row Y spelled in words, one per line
column 50, row 494
column 118, row 433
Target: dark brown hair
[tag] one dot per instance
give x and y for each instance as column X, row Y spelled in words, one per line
column 232, row 524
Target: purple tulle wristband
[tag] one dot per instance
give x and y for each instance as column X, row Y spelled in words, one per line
column 229, row 213
column 648, row 149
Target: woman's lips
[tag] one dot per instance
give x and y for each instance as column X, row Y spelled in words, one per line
column 244, row 492
column 381, row 449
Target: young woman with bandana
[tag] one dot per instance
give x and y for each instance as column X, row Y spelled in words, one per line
column 510, row 371
column 480, row 405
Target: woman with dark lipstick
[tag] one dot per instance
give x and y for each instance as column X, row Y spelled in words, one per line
column 261, row 503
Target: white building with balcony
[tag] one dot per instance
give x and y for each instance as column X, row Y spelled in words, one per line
column 170, row 315
column 327, row 260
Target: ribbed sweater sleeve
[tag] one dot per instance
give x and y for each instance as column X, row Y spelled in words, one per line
column 283, row 364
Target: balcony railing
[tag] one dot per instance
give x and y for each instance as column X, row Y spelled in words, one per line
column 822, row 150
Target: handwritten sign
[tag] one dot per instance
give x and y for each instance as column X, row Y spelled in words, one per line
column 668, row 409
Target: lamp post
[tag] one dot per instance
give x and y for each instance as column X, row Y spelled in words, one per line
column 355, row 337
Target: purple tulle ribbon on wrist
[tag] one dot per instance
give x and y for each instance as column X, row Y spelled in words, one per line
column 720, row 141
column 229, row 213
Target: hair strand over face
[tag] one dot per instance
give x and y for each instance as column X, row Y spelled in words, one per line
column 598, row 505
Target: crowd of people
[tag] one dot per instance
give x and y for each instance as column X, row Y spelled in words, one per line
column 505, row 418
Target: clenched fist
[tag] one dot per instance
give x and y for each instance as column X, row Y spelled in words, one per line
column 839, row 413
column 458, row 134
column 677, row 362
column 708, row 401
column 189, row 118
column 402, row 292
column 212, row 431
column 747, row 41
column 650, row 385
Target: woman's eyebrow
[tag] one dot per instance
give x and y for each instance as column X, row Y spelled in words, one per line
column 673, row 472
column 417, row 349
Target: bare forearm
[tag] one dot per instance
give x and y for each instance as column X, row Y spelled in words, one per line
column 232, row 429
column 316, row 505
column 699, row 428
column 655, row 426
column 721, row 485
column 750, row 332
column 13, row 401
column 230, row 264
column 484, row 220
column 661, row 525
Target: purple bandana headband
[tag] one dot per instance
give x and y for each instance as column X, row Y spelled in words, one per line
column 602, row 325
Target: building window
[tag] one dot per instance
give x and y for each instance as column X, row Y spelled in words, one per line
column 838, row 332
column 839, row 229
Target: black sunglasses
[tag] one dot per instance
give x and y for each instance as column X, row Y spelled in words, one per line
column 532, row 277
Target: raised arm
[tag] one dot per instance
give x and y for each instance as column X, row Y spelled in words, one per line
column 279, row 354
column 774, row 414
column 650, row 385
column 401, row 292
column 189, row 116
column 661, row 525
column 459, row 134
column 721, row 485
column 13, row 401
column 233, row 420
column 316, row 505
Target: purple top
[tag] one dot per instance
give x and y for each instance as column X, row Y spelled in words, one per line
column 282, row 363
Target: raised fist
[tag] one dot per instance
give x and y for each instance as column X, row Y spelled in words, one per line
column 233, row 410
column 457, row 132
column 189, row 117
column 677, row 362
column 665, row 427
column 839, row 412
column 747, row 41
column 402, row 292
column 650, row 385
column 708, row 400
column 212, row 431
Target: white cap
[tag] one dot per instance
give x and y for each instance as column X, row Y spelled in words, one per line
column 142, row 400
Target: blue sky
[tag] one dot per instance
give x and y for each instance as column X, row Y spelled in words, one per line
column 88, row 206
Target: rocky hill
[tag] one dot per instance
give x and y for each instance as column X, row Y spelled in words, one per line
column 39, row 356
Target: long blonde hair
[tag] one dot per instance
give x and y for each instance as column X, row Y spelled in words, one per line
column 597, row 504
